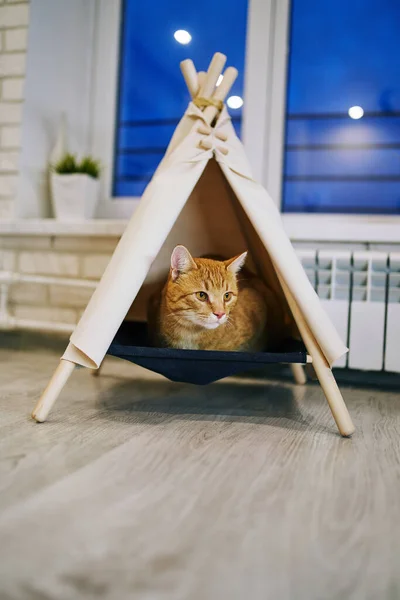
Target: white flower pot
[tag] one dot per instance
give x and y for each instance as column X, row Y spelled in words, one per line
column 74, row 196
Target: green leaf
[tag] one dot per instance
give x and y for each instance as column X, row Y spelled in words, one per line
column 66, row 165
column 90, row 166
column 69, row 165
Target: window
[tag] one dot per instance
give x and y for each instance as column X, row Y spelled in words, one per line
column 342, row 143
column 139, row 94
column 152, row 95
column 312, row 157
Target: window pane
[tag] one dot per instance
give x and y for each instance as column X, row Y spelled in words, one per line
column 342, row 55
column 152, row 94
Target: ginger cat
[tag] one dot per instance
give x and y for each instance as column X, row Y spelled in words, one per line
column 206, row 305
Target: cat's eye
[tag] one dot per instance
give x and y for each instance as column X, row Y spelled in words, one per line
column 201, row 296
column 227, row 296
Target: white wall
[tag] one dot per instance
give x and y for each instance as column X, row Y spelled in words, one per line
column 72, row 256
column 60, row 52
column 14, row 19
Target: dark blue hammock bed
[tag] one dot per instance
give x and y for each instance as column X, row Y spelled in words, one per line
column 199, row 367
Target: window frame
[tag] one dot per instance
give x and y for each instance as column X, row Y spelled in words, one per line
column 305, row 226
column 105, row 96
column 264, row 111
column 105, row 93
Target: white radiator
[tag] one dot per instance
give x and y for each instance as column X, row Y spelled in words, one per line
column 360, row 291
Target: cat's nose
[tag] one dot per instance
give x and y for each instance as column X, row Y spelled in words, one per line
column 219, row 315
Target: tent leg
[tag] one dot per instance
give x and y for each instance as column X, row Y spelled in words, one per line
column 322, row 369
column 53, row 389
column 299, row 374
column 333, row 395
column 327, row 381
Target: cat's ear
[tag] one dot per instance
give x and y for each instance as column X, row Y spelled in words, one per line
column 235, row 264
column 181, row 262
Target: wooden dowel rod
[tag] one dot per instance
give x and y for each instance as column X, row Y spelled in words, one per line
column 221, row 92
column 205, row 130
column 221, row 136
column 223, row 150
column 53, row 389
column 227, row 82
column 206, row 144
column 190, row 76
column 322, row 369
column 201, row 77
column 298, row 373
column 214, row 71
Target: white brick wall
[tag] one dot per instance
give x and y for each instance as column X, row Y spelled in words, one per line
column 8, row 184
column 94, row 265
column 15, row 39
column 29, row 294
column 10, row 137
column 9, row 161
column 14, row 20
column 12, row 63
column 76, row 297
column 7, row 260
column 64, row 256
column 48, row 263
column 10, row 113
column 6, row 207
column 45, row 313
column 12, row 89
column 16, row 15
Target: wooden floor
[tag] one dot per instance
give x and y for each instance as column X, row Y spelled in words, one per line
column 140, row 488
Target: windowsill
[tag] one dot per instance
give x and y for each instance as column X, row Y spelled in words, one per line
column 94, row 227
column 383, row 229
column 299, row 227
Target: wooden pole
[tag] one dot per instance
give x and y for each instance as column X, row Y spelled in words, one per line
column 190, row 76
column 201, row 77
column 210, row 112
column 298, row 373
column 322, row 369
column 214, row 71
column 204, row 84
column 53, row 389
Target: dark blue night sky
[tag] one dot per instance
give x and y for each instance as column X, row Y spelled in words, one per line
column 341, row 54
column 151, row 84
column 344, row 53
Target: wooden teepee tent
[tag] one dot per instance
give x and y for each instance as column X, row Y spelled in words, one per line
column 202, row 195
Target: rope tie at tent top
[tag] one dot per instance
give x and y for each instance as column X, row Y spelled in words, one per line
column 204, row 102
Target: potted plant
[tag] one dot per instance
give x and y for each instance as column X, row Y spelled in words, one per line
column 75, row 187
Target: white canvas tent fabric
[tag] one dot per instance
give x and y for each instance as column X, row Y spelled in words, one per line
column 207, row 200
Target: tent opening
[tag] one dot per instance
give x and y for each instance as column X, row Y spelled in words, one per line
column 212, row 222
